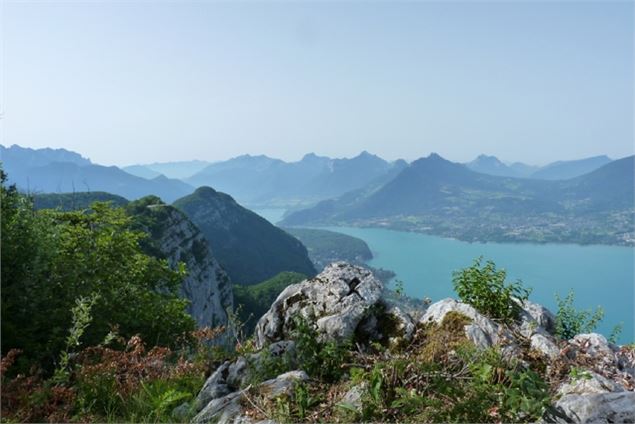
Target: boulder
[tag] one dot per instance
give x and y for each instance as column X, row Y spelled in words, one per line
column 284, row 384
column 545, row 345
column 404, row 325
column 353, row 397
column 610, row 407
column 226, row 409
column 215, row 387
column 587, row 383
column 542, row 316
column 336, row 300
column 229, row 408
column 482, row 331
column 230, row 377
column 594, row 345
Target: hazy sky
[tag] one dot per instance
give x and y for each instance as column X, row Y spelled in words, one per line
column 127, row 82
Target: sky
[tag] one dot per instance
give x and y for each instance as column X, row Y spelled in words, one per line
column 139, row 82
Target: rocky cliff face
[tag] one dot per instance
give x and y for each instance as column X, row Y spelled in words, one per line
column 585, row 379
column 175, row 238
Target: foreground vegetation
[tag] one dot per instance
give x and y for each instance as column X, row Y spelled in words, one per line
column 92, row 327
column 437, row 376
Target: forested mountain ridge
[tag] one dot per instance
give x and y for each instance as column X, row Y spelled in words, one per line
column 249, row 247
column 170, row 236
column 75, row 201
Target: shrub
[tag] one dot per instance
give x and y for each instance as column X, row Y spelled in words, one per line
column 102, row 384
column 571, row 322
column 483, row 286
column 51, row 258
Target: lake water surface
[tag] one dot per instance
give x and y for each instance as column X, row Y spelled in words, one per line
column 599, row 275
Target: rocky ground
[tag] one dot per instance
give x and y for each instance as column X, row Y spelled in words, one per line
column 380, row 360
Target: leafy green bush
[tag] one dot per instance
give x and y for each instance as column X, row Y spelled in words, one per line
column 483, row 286
column 571, row 322
column 51, row 258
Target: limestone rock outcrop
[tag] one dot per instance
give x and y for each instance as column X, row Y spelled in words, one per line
column 336, row 300
column 596, row 382
column 175, row 238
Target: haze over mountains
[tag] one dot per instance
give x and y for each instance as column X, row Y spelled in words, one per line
column 441, row 197
column 260, row 180
column 181, row 170
column 61, row 171
column 560, row 170
column 585, row 201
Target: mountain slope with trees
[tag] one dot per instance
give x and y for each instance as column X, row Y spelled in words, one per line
column 249, row 247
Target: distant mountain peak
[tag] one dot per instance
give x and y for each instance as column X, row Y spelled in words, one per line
column 483, row 156
column 434, row 163
column 488, row 159
column 433, row 158
column 364, row 154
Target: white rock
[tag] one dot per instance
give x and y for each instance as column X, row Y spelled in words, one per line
column 222, row 410
column 336, row 300
column 215, row 387
column 594, row 344
column 206, row 285
column 615, row 407
column 228, row 409
column 589, row 382
column 353, row 397
column 284, row 384
column 545, row 345
column 542, row 316
column 231, row 376
column 482, row 331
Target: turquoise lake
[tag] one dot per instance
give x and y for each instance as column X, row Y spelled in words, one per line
column 599, row 275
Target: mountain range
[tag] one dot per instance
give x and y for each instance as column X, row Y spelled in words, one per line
column 257, row 181
column 437, row 196
column 61, row 171
column 180, row 170
column 264, row 181
column 581, row 201
column 560, row 170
